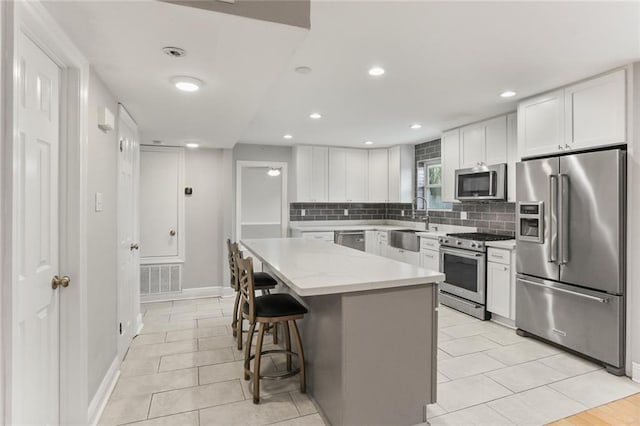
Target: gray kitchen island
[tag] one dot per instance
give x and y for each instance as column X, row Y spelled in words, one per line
column 370, row 337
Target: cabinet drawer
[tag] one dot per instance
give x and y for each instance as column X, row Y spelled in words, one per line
column 499, row 256
column 429, row 243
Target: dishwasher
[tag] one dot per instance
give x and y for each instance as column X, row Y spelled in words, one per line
column 352, row 239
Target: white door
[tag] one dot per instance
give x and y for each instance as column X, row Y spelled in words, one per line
column 541, row 124
column 450, row 162
column 378, row 175
column 472, row 145
column 128, row 245
column 36, row 315
column 160, row 192
column 337, row 174
column 357, row 181
column 496, row 140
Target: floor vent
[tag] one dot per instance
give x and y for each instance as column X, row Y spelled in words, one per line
column 158, row 279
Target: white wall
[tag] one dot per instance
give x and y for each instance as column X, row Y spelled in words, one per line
column 207, row 171
column 261, row 196
column 102, row 238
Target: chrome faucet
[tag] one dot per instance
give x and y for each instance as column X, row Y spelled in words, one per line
column 413, row 210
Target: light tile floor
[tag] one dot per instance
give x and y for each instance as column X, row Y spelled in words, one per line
column 488, row 375
column 183, row 369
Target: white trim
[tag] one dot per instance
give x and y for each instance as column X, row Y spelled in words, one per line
column 284, row 204
column 100, row 399
column 160, row 260
column 139, row 323
column 181, row 224
column 635, row 372
column 33, row 19
column 189, row 293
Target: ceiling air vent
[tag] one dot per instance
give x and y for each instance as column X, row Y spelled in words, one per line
column 174, row 52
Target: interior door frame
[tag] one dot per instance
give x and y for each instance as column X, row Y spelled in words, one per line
column 240, row 164
column 32, row 19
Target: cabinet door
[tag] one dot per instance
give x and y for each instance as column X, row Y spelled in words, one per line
column 337, row 174
column 596, row 111
column 394, row 174
column 379, row 175
column 496, row 140
column 541, row 124
column 512, row 156
column 371, row 242
column 304, row 166
column 499, row 289
column 472, row 145
column 357, row 175
column 319, row 173
column 450, row 162
column 430, row 259
column 410, row 257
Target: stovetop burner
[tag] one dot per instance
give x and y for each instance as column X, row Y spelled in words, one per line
column 479, row 236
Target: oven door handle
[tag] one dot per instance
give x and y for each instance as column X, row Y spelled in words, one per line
column 461, row 253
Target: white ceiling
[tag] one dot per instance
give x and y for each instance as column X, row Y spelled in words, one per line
column 239, row 59
column 446, row 63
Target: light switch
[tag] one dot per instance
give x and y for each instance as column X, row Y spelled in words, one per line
column 346, row 212
column 98, row 201
column 303, row 212
column 463, row 215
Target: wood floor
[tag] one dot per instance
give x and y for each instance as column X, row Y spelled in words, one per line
column 624, row 411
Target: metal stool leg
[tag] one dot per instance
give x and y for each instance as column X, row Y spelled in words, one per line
column 247, row 350
column 287, row 342
column 256, row 365
column 239, row 326
column 303, row 378
column 234, row 322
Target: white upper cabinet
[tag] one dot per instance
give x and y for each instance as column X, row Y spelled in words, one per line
column 541, row 124
column 450, row 157
column 484, row 143
column 472, row 145
column 401, row 173
column 597, row 110
column 512, row 155
column 585, row 115
column 348, row 175
column 312, row 167
column 379, row 175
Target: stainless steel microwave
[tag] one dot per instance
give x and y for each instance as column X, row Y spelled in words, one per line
column 482, row 183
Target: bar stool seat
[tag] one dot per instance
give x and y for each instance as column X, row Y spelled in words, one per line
column 276, row 305
column 263, row 280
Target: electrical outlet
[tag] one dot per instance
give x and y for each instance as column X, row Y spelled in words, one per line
column 303, row 212
column 402, row 213
column 346, row 212
column 99, row 204
column 463, row 215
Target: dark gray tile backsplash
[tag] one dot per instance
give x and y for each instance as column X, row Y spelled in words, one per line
column 335, row 211
column 428, row 150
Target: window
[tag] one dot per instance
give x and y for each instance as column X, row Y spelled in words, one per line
column 429, row 186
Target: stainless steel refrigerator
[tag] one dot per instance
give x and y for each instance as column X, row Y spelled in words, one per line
column 571, row 229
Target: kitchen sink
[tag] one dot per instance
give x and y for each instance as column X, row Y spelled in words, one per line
column 404, row 239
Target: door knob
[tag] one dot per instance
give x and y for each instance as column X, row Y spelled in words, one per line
column 172, row 233
column 134, row 246
column 60, row 282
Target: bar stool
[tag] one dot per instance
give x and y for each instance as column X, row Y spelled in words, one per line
column 269, row 310
column 263, row 282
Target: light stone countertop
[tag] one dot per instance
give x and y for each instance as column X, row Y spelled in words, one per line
column 313, row 268
column 505, row 244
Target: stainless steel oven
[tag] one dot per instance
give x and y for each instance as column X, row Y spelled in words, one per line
column 481, row 183
column 465, row 272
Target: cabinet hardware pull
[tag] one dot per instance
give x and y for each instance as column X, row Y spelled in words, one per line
column 60, row 282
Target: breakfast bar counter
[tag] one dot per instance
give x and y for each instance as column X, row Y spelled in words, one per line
column 370, row 337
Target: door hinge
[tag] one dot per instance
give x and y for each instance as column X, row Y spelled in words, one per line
column 120, row 328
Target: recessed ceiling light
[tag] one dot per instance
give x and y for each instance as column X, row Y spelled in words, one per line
column 376, row 71
column 187, row 84
column 273, row 172
column 508, row 94
column 191, row 145
column 287, row 136
column 303, row 70
column 368, row 143
column 315, row 115
column 416, row 126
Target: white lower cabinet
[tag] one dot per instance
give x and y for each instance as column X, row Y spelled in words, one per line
column 371, row 244
column 322, row 236
column 501, row 283
column 430, row 259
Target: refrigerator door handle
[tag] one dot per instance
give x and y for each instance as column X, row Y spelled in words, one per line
column 553, row 216
column 564, row 219
column 562, row 290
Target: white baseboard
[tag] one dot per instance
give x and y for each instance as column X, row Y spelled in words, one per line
column 635, row 372
column 189, row 293
column 100, row 399
column 139, row 323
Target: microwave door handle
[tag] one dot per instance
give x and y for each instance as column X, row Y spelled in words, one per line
column 564, row 219
column 553, row 219
column 491, row 183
